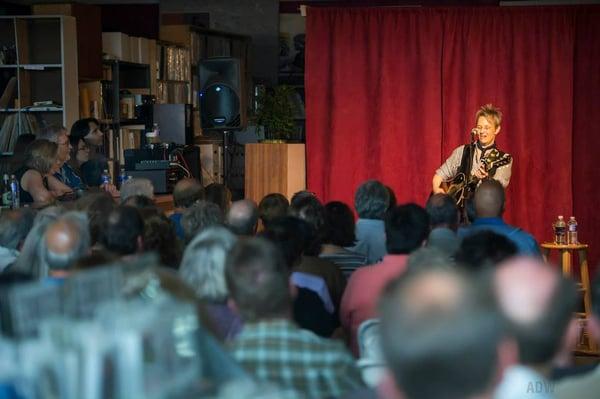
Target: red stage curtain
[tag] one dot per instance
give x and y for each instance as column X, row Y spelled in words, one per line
column 391, row 91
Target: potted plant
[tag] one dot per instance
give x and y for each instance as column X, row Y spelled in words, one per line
column 275, row 112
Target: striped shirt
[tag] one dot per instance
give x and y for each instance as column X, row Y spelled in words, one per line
column 279, row 352
column 347, row 261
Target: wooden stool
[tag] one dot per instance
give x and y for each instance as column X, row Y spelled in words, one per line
column 565, row 252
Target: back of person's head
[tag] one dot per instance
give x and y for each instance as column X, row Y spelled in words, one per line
column 257, row 278
column 431, row 323
column 94, row 260
column 290, row 234
column 406, row 228
column 311, row 211
column 218, row 194
column 97, row 206
column 139, row 201
column 339, row 224
column 442, row 211
column 429, row 258
column 160, row 236
column 199, row 216
column 371, row 200
column 272, row 206
column 14, row 227
column 538, row 304
column 300, row 196
column 186, row 192
column 489, row 199
column 41, row 155
column 136, row 186
column 123, row 231
column 484, row 249
column 242, row 217
column 65, row 241
column 203, row 263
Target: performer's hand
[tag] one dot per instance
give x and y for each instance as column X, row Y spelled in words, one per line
column 481, row 173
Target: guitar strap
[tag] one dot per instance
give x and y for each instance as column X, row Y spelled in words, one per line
column 466, row 162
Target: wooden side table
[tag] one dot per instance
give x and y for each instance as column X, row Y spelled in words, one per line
column 565, row 252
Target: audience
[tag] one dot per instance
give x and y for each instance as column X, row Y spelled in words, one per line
column 14, row 227
column 218, row 194
column 371, row 201
column 198, row 217
column 440, row 340
column 41, row 163
column 406, row 229
column 271, row 207
column 136, row 186
column 270, row 346
column 242, row 218
column 489, row 206
column 159, row 236
column 538, row 304
column 339, row 233
column 123, row 231
column 185, row 194
column 67, row 179
column 203, row 268
column 443, row 218
column 484, row 249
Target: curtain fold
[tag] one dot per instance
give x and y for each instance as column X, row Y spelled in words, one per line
column 391, row 91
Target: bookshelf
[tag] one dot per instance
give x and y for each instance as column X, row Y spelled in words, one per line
column 38, row 75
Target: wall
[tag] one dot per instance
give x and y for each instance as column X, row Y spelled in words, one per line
column 256, row 18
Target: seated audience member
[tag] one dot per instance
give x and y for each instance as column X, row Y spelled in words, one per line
column 311, row 211
column 372, row 200
column 429, row 258
column 218, row 194
column 87, row 139
column 538, row 304
column 28, row 262
column 198, row 217
column 159, row 236
column 14, row 227
column 339, row 233
column 203, row 268
column 97, row 207
column 141, row 203
column 443, row 218
column 484, row 249
column 301, row 196
column 313, row 307
column 185, row 194
column 65, row 241
column 67, row 179
column 439, row 339
column 489, row 206
column 242, row 218
column 123, row 231
column 94, row 259
column 88, row 129
column 406, row 229
column 41, row 162
column 586, row 385
column 271, row 207
column 270, row 346
column 136, row 186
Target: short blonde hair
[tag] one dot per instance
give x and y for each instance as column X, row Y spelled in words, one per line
column 488, row 111
column 41, row 155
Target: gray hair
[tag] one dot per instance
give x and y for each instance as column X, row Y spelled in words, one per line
column 371, row 200
column 137, row 186
column 203, row 264
column 52, row 132
column 50, row 260
column 199, row 216
column 29, row 261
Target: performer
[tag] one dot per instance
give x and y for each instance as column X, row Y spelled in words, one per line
column 478, row 160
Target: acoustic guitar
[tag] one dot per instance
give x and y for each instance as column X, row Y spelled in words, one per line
column 461, row 189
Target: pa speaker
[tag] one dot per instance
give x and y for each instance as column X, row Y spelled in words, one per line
column 221, row 93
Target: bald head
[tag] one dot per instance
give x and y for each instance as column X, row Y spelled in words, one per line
column 186, row 192
column 65, row 241
column 430, row 321
column 242, row 217
column 489, row 199
column 538, row 303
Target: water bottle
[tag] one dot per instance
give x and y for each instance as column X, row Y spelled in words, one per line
column 122, row 177
column 15, row 192
column 6, row 192
column 153, row 136
column 572, row 231
column 560, row 231
column 105, row 177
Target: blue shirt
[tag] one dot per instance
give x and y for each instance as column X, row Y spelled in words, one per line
column 526, row 244
column 370, row 239
column 176, row 218
column 68, row 176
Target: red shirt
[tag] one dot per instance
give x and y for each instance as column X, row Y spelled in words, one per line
column 359, row 302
